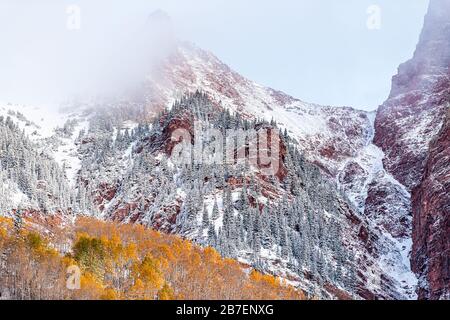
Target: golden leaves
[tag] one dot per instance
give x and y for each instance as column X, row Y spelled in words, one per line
column 120, row 261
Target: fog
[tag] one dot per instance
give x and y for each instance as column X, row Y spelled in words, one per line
column 52, row 50
column 319, row 51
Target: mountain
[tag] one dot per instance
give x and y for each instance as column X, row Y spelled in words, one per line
column 416, row 107
column 116, row 150
column 412, row 130
column 109, row 156
column 337, row 139
column 358, row 207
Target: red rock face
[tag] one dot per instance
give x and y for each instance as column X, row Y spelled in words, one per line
column 413, row 114
column 431, row 210
column 408, row 129
column 404, row 127
column 104, row 193
column 176, row 132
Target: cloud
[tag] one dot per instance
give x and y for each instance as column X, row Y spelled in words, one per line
column 319, row 51
column 54, row 50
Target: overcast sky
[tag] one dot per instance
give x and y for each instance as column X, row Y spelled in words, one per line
column 319, row 51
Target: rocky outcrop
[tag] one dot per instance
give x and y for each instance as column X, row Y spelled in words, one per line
column 431, row 211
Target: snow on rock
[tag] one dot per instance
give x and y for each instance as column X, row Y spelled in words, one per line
column 411, row 130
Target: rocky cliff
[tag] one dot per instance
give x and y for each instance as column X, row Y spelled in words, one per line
column 431, row 212
column 414, row 112
column 412, row 131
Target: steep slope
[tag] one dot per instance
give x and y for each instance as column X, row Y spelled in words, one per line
column 329, row 134
column 431, row 209
column 417, row 104
column 335, row 139
column 236, row 208
column 405, row 125
column 30, row 179
column 53, row 131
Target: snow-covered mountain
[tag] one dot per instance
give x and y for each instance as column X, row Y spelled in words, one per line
column 335, row 139
column 349, row 170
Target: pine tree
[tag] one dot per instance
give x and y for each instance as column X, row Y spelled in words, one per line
column 18, row 221
column 212, row 237
column 274, row 227
column 215, row 211
column 205, row 218
column 256, row 240
column 338, row 276
column 266, row 236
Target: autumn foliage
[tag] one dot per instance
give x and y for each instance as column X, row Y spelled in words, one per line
column 123, row 262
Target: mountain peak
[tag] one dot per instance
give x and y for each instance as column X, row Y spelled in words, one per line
column 434, row 44
column 439, row 9
column 432, row 56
